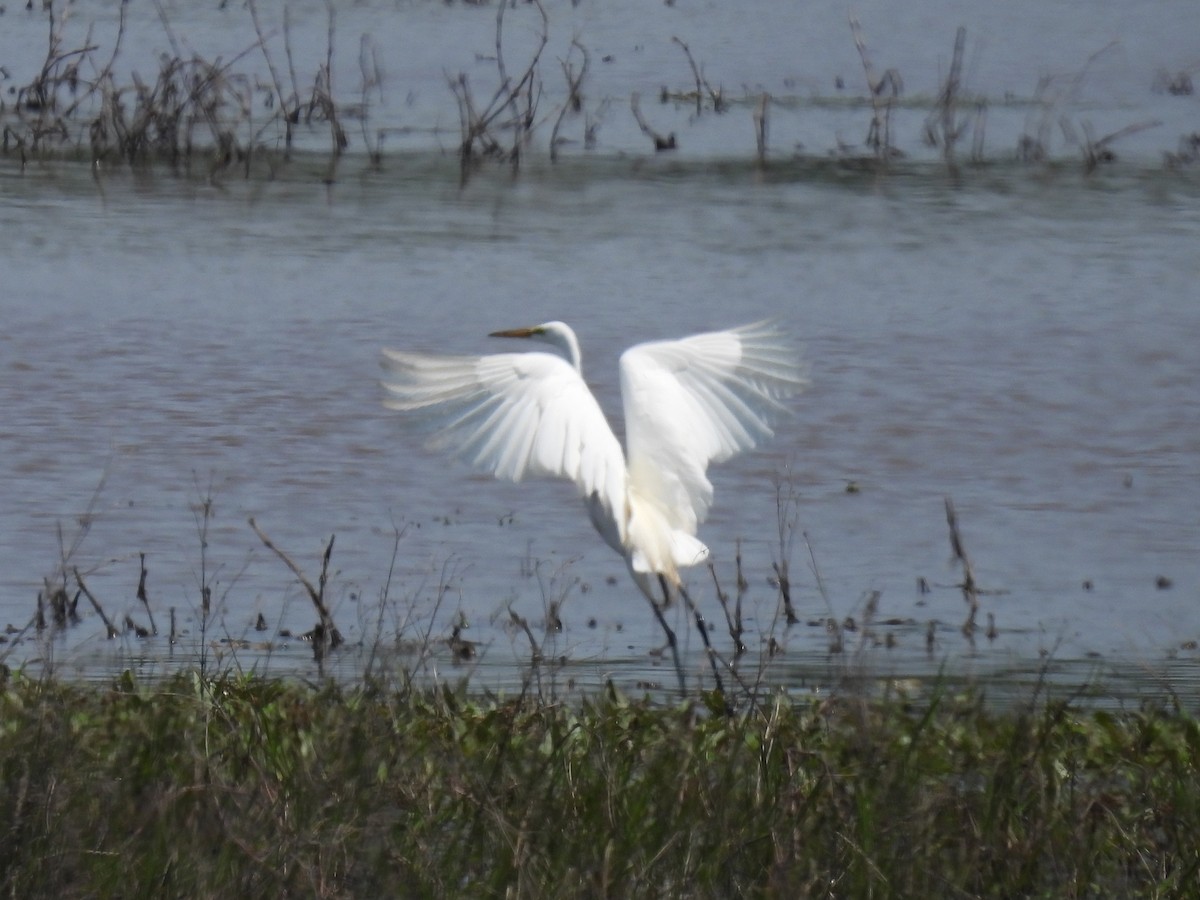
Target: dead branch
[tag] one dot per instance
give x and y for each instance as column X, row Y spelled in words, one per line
column 660, row 143
column 321, row 105
column 105, row 72
column 290, row 117
column 477, row 126
column 1097, row 152
column 786, row 512
column 141, row 593
column 138, row 630
column 372, row 80
column 535, row 649
column 329, row 633
column 941, row 126
column 884, row 89
column 836, row 642
column 733, row 618
column 574, row 101
column 62, row 608
column 969, row 588
column 1052, row 97
column 109, row 628
column 760, row 127
column 702, row 85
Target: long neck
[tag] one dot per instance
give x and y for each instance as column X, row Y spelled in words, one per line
column 560, row 335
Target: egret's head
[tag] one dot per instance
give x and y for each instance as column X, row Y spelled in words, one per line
column 556, row 334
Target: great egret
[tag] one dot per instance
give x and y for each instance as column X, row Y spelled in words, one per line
column 687, row 403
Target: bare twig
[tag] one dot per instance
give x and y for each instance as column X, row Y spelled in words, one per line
column 329, row 635
column 702, row 85
column 969, row 588
column 105, row 71
column 695, row 74
column 941, row 126
column 660, row 143
column 321, row 104
column 287, row 50
column 477, row 139
column 141, row 593
column 138, row 630
column 109, row 628
column 535, row 649
column 289, row 106
column 760, row 127
column 733, row 619
column 884, row 89
column 372, row 80
column 1052, row 98
column 977, row 133
column 166, row 24
column 831, row 623
column 786, row 513
column 1096, row 152
column 709, row 650
column 62, row 608
column 574, row 101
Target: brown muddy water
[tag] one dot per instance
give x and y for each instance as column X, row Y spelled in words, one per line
column 1021, row 339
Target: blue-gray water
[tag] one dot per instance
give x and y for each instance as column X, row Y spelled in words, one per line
column 1021, row 338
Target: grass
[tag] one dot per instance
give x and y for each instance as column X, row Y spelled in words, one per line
column 237, row 786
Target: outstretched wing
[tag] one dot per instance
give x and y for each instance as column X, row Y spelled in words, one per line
column 511, row 414
column 698, row 400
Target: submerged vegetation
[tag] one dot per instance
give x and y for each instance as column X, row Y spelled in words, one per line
column 245, row 113
column 237, row 786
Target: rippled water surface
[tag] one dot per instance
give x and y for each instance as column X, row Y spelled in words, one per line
column 1021, row 338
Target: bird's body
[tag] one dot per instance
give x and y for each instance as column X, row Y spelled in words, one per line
column 687, row 403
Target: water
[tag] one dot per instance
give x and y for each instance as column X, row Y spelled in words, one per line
column 1020, row 338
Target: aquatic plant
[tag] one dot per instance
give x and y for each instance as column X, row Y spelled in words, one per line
column 241, row 786
column 209, row 117
column 513, row 106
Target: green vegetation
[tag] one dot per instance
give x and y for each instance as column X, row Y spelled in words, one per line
column 239, row 786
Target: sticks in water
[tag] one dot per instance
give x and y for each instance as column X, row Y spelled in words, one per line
column 326, row 635
column 969, row 589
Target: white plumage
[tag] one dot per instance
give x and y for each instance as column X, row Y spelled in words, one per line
column 687, row 403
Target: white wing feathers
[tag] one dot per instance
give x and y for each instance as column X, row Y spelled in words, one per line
column 687, row 403
column 698, row 400
column 510, row 414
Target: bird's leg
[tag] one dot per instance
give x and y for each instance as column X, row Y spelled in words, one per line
column 703, row 629
column 671, row 642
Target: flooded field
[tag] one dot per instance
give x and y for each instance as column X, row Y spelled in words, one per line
column 1017, row 334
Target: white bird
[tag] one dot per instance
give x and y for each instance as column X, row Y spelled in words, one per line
column 687, row 403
